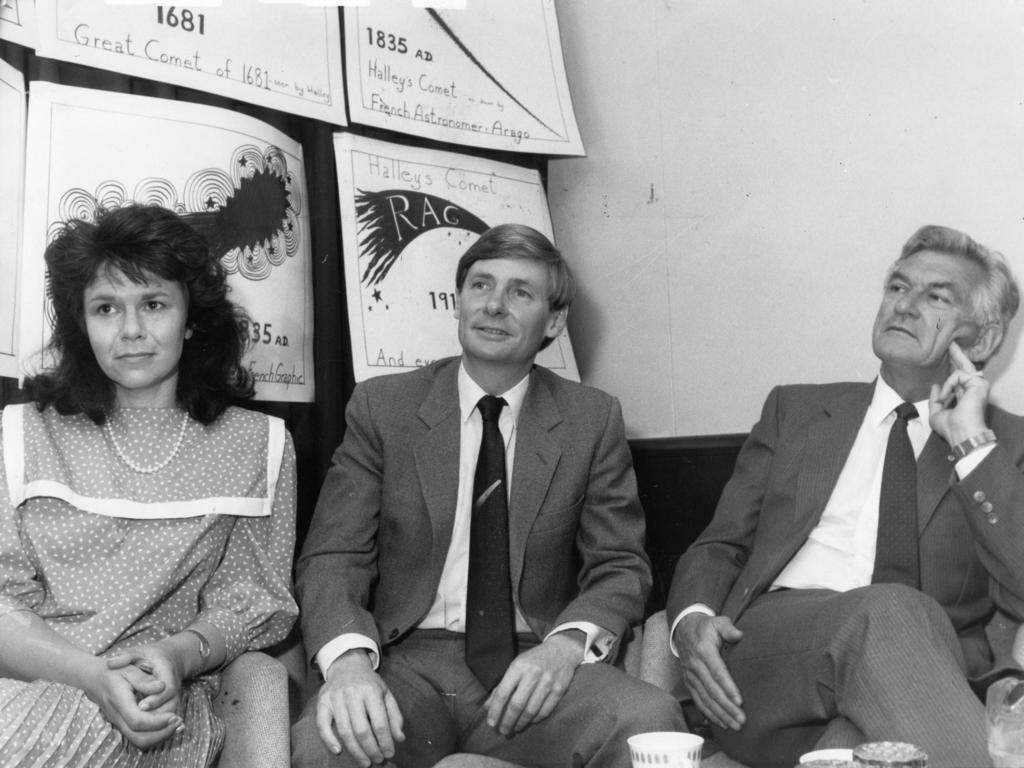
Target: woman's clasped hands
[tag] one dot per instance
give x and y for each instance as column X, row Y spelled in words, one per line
column 139, row 690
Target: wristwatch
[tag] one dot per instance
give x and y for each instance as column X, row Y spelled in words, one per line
column 204, row 648
column 971, row 444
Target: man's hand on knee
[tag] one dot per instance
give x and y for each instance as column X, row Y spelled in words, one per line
column 699, row 639
column 534, row 683
column 356, row 711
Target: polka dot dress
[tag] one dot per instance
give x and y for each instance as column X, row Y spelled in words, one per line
column 110, row 556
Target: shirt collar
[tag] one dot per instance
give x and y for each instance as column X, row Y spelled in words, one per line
column 470, row 393
column 885, row 400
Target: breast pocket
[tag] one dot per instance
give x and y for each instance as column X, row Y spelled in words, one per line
column 557, row 520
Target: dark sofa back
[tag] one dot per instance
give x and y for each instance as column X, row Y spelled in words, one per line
column 680, row 480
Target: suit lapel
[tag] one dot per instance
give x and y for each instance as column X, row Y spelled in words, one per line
column 933, row 478
column 829, row 440
column 437, row 454
column 538, row 451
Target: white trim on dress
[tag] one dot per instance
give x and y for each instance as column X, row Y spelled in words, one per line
column 14, row 452
column 20, row 491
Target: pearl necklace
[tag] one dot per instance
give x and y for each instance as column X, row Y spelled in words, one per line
column 148, row 470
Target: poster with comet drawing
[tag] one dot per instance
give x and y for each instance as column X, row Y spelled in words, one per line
column 236, row 179
column 285, row 57
column 18, row 22
column 488, row 75
column 407, row 215
column 12, row 156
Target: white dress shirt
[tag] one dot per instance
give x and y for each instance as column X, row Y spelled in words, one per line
column 448, row 610
column 839, row 554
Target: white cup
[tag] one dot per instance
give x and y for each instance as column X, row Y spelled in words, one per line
column 665, row 749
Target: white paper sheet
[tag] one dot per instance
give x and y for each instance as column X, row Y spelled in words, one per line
column 407, row 215
column 18, row 22
column 12, row 157
column 490, row 75
column 238, row 180
column 279, row 56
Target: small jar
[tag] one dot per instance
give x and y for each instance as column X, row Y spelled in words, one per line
column 889, row 754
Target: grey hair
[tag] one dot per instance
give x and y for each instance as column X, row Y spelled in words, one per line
column 997, row 298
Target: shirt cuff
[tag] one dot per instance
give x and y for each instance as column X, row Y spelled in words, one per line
column 343, row 644
column 598, row 644
column 970, row 462
column 695, row 608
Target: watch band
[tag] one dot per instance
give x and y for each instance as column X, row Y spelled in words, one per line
column 971, row 444
column 204, row 648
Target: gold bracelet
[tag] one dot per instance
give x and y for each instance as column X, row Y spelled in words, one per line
column 204, row 648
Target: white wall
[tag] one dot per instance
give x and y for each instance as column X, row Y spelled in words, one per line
column 752, row 169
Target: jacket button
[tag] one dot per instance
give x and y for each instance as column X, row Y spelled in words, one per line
column 986, row 507
column 979, row 496
column 993, row 518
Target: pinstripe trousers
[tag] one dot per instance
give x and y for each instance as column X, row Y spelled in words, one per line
column 878, row 663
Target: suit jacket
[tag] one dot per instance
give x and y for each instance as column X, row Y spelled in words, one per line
column 373, row 556
column 971, row 531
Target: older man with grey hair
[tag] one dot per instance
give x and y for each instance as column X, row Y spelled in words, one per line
column 869, row 532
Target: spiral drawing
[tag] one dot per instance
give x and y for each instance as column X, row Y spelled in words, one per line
column 248, row 212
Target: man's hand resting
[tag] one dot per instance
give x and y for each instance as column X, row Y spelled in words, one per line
column 355, row 705
column 535, row 682
column 699, row 639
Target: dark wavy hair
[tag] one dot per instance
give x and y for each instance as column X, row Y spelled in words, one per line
column 141, row 240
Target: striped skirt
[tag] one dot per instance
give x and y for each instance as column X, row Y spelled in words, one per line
column 52, row 725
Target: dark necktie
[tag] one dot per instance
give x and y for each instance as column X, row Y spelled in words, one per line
column 490, row 617
column 896, row 555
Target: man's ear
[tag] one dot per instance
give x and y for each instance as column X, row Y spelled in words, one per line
column 987, row 343
column 557, row 323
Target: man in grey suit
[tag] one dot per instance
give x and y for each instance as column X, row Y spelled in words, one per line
column 800, row 616
column 440, row 629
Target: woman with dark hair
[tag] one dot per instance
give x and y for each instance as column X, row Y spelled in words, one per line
column 147, row 524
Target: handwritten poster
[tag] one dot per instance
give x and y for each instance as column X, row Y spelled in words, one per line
column 12, row 155
column 489, row 75
column 407, row 215
column 279, row 56
column 237, row 180
column 18, row 22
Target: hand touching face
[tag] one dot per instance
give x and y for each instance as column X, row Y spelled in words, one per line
column 926, row 306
